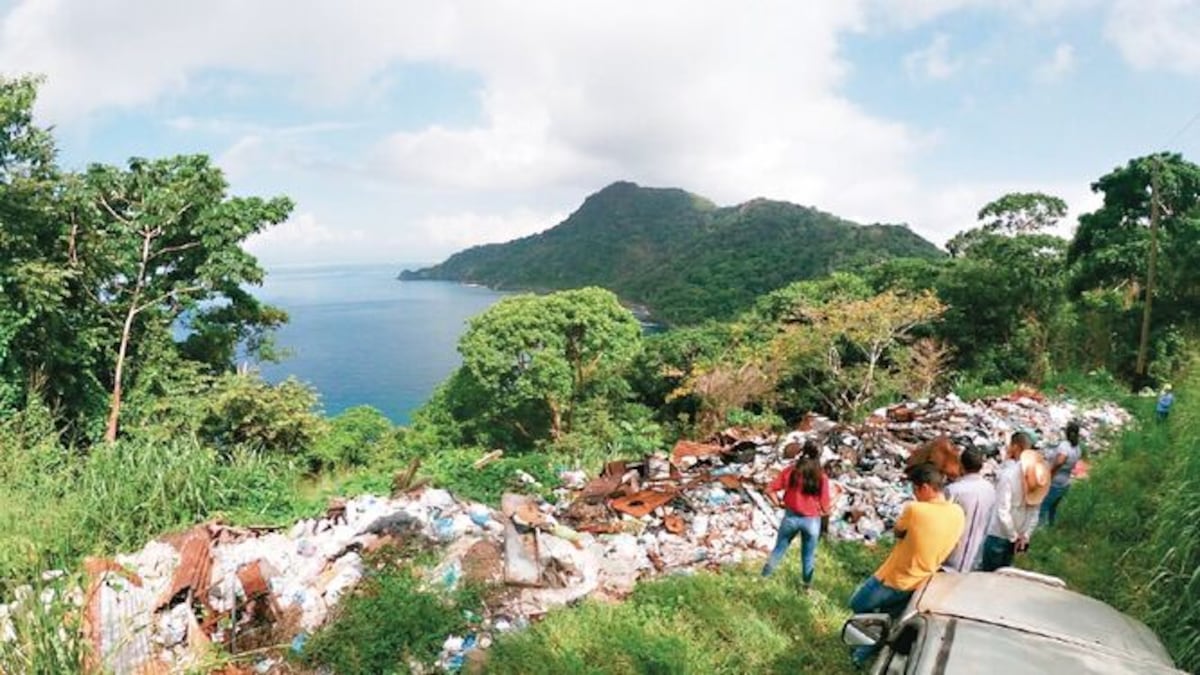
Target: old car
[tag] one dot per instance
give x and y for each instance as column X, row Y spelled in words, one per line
column 1009, row 621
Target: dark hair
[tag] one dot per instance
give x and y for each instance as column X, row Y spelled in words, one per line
column 1022, row 439
column 1073, row 432
column 972, row 460
column 926, row 474
column 806, row 472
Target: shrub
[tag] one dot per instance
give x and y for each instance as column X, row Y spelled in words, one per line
column 357, row 437
column 391, row 622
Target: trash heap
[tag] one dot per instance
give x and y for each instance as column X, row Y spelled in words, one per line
column 703, row 505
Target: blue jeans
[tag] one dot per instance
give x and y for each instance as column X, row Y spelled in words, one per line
column 809, row 529
column 997, row 552
column 1050, row 504
column 875, row 596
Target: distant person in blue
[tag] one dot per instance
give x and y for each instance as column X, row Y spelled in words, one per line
column 1164, row 403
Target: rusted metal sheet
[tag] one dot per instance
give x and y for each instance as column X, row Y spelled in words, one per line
column 642, row 503
column 195, row 563
column 118, row 616
column 692, row 449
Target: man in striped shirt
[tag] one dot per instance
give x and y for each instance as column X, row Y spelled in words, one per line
column 976, row 496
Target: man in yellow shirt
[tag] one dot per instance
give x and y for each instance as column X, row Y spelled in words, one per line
column 926, row 532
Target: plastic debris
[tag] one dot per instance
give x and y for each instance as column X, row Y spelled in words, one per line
column 703, row 506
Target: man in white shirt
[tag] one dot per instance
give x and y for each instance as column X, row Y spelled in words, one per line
column 1021, row 485
column 977, row 498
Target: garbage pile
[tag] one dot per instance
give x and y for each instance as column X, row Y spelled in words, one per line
column 703, row 505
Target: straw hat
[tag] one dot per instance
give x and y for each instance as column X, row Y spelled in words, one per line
column 1036, row 474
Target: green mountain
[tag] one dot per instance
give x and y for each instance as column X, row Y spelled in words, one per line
column 679, row 255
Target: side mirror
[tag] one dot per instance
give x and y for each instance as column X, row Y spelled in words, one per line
column 866, row 630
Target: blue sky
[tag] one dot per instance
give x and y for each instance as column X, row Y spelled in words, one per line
column 405, row 131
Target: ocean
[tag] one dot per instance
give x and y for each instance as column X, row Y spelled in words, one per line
column 361, row 337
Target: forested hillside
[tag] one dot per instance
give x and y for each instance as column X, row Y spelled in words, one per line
column 678, row 254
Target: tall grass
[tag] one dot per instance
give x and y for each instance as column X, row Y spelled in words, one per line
column 732, row 621
column 44, row 638
column 55, row 512
column 1130, row 534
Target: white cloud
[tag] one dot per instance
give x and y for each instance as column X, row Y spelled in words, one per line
column 1060, row 64
column 303, row 239
column 1157, row 33
column 730, row 100
column 455, row 231
column 910, row 13
column 932, row 61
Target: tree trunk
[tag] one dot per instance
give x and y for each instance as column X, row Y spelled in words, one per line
column 114, row 409
column 1144, row 342
column 555, row 420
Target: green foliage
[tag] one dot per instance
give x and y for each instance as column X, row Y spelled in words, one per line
column 731, row 622
column 1111, row 245
column 175, row 399
column 1022, row 213
column 358, row 437
column 392, row 622
column 55, row 508
column 97, row 268
column 1128, row 535
column 46, row 639
column 530, row 363
column 678, row 254
column 1003, row 297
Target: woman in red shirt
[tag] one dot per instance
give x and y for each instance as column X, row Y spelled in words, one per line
column 805, row 500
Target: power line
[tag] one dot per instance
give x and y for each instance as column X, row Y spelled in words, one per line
column 1183, row 130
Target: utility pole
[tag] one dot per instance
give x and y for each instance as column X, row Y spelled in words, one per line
column 1144, row 344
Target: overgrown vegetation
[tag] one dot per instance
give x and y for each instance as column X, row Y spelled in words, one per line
column 394, row 620
column 732, row 621
column 1130, row 534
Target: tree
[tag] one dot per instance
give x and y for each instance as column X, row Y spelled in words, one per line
column 1111, row 248
column 1001, row 295
column 847, row 349
column 531, row 362
column 1022, row 213
column 160, row 240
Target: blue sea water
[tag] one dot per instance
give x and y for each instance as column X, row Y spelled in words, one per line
column 360, row 336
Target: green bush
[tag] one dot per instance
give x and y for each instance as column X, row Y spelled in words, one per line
column 358, row 437
column 391, row 622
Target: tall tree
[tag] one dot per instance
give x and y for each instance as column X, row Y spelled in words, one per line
column 1022, row 213
column 530, row 362
column 161, row 240
column 1112, row 245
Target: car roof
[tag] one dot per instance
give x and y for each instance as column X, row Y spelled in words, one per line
column 1034, row 607
column 983, row 648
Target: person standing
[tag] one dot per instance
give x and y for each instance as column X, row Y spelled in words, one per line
column 1062, row 464
column 1165, row 401
column 805, row 489
column 926, row 533
column 977, row 497
column 1021, row 485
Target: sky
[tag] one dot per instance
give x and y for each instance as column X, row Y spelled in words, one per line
column 405, row 131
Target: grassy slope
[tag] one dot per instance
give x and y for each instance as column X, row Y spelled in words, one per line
column 1130, row 534
column 731, row 621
